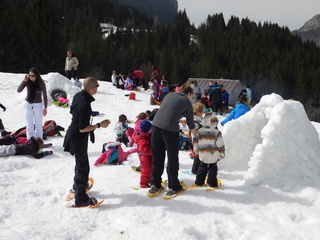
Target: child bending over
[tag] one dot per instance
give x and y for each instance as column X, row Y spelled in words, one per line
column 31, row 147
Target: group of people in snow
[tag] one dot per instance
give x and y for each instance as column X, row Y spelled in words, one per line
column 154, row 137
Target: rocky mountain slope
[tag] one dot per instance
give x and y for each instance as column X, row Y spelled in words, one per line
column 310, row 30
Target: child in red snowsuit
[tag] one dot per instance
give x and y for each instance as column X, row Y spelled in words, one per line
column 143, row 141
column 142, row 116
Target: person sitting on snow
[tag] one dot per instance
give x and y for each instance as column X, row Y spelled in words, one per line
column 77, row 82
column 128, row 84
column 120, row 129
column 31, row 147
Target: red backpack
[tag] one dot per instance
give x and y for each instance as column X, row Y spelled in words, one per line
column 49, row 128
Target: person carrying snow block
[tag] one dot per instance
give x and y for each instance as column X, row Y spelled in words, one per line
column 31, row 147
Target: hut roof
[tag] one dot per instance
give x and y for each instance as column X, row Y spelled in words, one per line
column 229, row 84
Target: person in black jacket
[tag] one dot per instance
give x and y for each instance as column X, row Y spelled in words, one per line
column 215, row 95
column 76, row 139
column 31, row 147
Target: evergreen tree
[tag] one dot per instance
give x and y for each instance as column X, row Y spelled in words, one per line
column 42, row 37
column 9, row 61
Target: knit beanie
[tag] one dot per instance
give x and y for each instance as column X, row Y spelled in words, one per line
column 145, row 126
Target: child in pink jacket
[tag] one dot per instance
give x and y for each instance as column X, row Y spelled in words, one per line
column 142, row 116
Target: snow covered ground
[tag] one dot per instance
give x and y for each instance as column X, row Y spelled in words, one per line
column 270, row 178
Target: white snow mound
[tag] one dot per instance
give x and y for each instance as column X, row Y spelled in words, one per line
column 274, row 144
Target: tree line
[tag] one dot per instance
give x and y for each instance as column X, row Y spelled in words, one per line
column 268, row 57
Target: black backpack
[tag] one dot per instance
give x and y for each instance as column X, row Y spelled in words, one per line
column 153, row 114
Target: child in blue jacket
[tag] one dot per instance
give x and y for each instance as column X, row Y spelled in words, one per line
column 240, row 110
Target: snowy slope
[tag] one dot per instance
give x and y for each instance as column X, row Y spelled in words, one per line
column 270, row 178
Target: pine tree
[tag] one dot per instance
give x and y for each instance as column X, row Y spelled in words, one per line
column 8, row 39
column 43, row 45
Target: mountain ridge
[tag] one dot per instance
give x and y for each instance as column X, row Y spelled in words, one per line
column 310, row 30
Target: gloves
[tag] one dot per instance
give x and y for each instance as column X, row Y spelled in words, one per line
column 3, row 107
column 45, row 153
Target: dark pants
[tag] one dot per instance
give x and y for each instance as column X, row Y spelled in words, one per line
column 195, row 165
column 7, row 140
column 71, row 74
column 216, row 107
column 136, row 82
column 162, row 141
column 225, row 106
column 123, row 139
column 144, row 84
column 203, row 169
column 81, row 171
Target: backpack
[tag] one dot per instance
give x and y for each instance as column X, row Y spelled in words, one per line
column 112, row 153
column 153, row 114
column 49, row 128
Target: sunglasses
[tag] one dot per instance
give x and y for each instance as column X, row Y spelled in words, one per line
column 32, row 75
column 96, row 86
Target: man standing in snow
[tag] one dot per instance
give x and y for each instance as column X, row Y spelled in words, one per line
column 76, row 139
column 215, row 95
column 71, row 65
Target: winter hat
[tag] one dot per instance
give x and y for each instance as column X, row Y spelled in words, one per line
column 145, row 126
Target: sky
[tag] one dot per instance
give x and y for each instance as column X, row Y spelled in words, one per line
column 270, row 178
column 290, row 13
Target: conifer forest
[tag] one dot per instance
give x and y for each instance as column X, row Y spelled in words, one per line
column 268, row 57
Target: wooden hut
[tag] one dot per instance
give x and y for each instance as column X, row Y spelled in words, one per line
column 233, row 87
